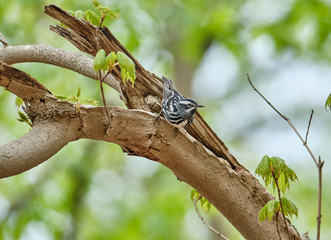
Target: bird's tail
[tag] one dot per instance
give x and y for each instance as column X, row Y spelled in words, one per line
column 167, row 83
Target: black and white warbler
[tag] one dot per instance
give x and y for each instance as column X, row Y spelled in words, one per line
column 178, row 110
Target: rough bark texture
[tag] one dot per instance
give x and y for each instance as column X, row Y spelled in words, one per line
column 193, row 155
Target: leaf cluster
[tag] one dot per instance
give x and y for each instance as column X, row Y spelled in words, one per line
column 274, row 169
column 273, row 207
column 205, row 204
column 77, row 99
column 107, row 63
column 92, row 17
column 104, row 10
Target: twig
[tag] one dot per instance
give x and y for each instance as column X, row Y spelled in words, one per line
column 311, row 117
column 318, row 164
column 277, row 226
column 3, row 41
column 102, row 79
column 104, row 101
column 280, row 203
column 203, row 220
column 319, row 214
column 286, row 119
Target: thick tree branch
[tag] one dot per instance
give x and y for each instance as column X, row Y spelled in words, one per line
column 42, row 142
column 56, row 123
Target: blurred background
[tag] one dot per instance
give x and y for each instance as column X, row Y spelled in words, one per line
column 91, row 190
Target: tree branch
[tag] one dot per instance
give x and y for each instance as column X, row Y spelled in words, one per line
column 76, row 62
column 56, row 123
column 41, row 143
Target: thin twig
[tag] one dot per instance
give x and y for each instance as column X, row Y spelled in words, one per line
column 203, row 220
column 3, row 41
column 104, row 101
column 102, row 79
column 286, row 119
column 309, row 123
column 280, row 203
column 318, row 164
column 277, row 226
column 319, row 214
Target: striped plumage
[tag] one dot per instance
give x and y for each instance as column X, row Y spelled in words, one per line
column 177, row 109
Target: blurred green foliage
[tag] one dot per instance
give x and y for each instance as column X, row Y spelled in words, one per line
column 91, row 190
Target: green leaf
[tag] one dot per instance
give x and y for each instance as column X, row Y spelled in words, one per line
column 263, row 214
column 79, row 14
column 78, row 92
column 71, row 12
column 111, row 58
column 269, row 210
column 90, row 101
column 277, row 164
column 263, row 169
column 18, row 102
column 328, row 103
column 283, row 182
column 289, row 207
column 194, row 194
column 208, row 206
column 22, row 116
column 99, row 62
column 61, row 97
column 95, row 3
column 289, row 173
column 127, row 68
column 92, row 17
column 107, row 12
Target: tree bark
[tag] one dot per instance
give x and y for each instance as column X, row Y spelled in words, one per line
column 197, row 156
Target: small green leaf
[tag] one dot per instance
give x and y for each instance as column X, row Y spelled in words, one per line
column 78, row 92
column 263, row 214
column 269, row 210
column 111, row 59
column 282, row 182
column 107, row 12
column 100, row 61
column 79, row 14
column 22, row 116
column 328, row 103
column 61, row 97
column 289, row 207
column 290, row 174
column 208, row 206
column 95, row 3
column 92, row 17
column 90, row 101
column 263, row 169
column 71, row 12
column 127, row 68
column 194, row 194
column 18, row 102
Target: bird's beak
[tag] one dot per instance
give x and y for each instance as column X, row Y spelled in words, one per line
column 199, row 106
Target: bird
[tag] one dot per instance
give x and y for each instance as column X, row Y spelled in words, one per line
column 178, row 110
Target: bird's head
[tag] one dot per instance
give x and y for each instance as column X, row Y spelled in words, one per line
column 189, row 105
